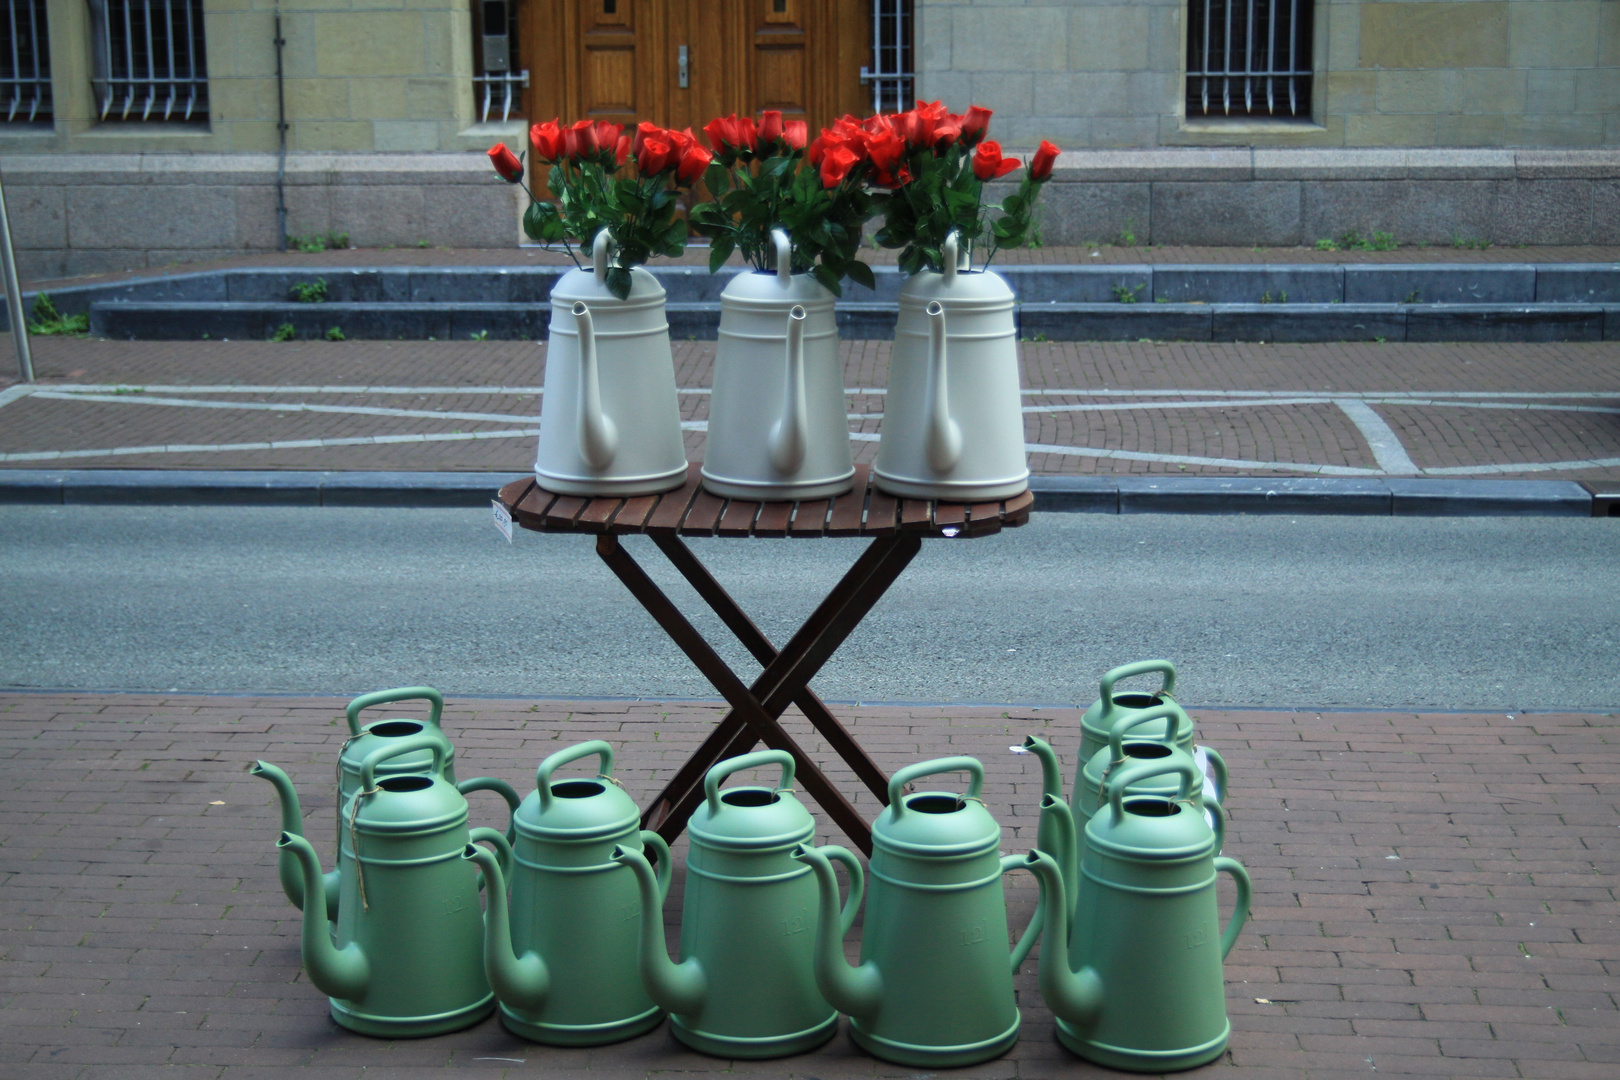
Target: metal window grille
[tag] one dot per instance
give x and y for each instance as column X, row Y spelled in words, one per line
column 1249, row 58
column 891, row 75
column 25, row 63
column 148, row 61
column 500, row 70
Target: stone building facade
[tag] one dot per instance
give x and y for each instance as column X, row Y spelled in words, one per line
column 1433, row 120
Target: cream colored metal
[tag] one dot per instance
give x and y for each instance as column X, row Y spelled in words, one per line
column 610, row 423
column 778, row 428
column 952, row 424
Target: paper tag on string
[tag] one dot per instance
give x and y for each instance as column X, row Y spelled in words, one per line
column 503, row 519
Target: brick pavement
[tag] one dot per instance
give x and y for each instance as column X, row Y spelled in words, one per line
column 1544, row 411
column 1435, row 895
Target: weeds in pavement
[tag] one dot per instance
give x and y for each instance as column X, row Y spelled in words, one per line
column 1354, row 241
column 309, row 245
column 285, row 332
column 1128, row 294
column 49, row 322
column 310, row 292
column 335, row 334
column 1458, row 240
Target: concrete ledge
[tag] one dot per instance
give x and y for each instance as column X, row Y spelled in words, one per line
column 1065, row 494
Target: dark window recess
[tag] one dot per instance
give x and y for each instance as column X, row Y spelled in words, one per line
column 500, row 74
column 147, row 58
column 1249, row 58
column 891, row 75
column 25, row 63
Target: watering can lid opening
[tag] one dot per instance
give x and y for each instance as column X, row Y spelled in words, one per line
column 403, row 803
column 753, row 814
column 394, row 729
column 1153, row 827
column 940, row 822
column 580, row 809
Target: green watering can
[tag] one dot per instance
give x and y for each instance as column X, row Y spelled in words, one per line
column 935, row 985
column 563, row 958
column 405, row 957
column 746, row 985
column 362, row 743
column 1140, row 986
column 1171, row 724
column 1109, row 708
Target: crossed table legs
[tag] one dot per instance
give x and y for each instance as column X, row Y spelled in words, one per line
column 756, row 708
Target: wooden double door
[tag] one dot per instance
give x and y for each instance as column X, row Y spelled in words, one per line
column 681, row 63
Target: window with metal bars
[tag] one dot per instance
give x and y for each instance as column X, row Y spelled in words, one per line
column 892, row 74
column 500, row 75
column 147, row 60
column 1249, row 58
column 25, row 63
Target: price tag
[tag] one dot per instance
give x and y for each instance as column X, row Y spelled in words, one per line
column 503, row 519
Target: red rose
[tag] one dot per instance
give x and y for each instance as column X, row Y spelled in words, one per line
column 643, row 129
column 887, row 151
column 946, row 131
column 579, row 140
column 1040, row 166
column 621, row 150
column 795, row 133
column 547, row 140
column 988, row 164
column 836, row 164
column 975, row 122
column 915, row 128
column 607, row 136
column 506, row 163
column 657, row 153
column 694, row 159
column 770, row 126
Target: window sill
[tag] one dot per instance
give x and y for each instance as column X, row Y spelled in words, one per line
column 1247, row 125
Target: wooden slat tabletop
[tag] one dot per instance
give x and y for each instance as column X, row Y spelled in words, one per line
column 691, row 511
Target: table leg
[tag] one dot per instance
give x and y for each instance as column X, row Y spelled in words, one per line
column 755, row 641
column 746, row 708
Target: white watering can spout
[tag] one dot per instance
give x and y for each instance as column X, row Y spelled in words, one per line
column 788, row 440
column 598, row 438
column 784, row 256
column 944, row 442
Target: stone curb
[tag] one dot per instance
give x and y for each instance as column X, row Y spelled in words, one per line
column 1397, row 497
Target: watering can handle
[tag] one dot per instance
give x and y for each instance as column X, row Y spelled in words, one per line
column 1032, row 931
column 1218, row 767
column 666, row 861
column 434, row 699
column 399, row 748
column 1105, row 689
column 757, row 760
column 950, row 254
column 1240, row 910
column 501, row 788
column 601, row 248
column 1115, row 786
column 542, row 775
column 503, row 850
column 1217, row 818
column 1172, row 730
column 971, row 766
column 784, row 255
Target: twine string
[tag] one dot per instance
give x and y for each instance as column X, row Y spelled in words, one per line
column 354, row 845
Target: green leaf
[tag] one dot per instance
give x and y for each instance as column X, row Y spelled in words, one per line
column 717, row 178
column 618, row 281
column 673, row 241
column 861, row 274
column 720, row 252
column 828, row 279
column 534, row 222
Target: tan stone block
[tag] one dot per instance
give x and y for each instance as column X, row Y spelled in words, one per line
column 1469, row 130
column 1468, row 33
column 369, row 43
column 1012, row 93
column 1609, row 35
column 1166, row 39
column 250, row 135
column 1553, row 33
column 1412, row 129
column 331, row 135
column 318, row 99
column 1032, row 39
column 449, row 43
column 241, row 99
column 1493, row 90
column 1351, row 92
column 1343, row 34
column 1579, row 130
column 1108, row 38
column 1549, row 91
column 1419, row 91
column 1083, row 93
column 405, row 135
column 434, row 99
column 1597, row 90
column 378, row 99
column 239, row 43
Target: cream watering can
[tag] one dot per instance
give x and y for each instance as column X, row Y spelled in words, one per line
column 610, row 423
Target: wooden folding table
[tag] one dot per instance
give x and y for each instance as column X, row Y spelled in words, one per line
column 896, row 527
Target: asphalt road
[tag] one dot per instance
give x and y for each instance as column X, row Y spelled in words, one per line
column 1445, row 613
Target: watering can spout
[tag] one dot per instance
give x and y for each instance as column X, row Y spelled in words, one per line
column 520, row 982
column 598, row 437
column 292, row 822
column 1051, row 771
column 944, row 442
column 678, row 988
column 341, row 973
column 1074, row 996
column 857, row 991
column 788, row 440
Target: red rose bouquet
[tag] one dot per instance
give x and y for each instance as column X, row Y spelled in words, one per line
column 603, row 177
column 935, row 165
column 764, row 177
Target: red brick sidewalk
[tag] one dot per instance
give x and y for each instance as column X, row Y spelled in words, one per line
column 1538, row 411
column 1434, row 894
